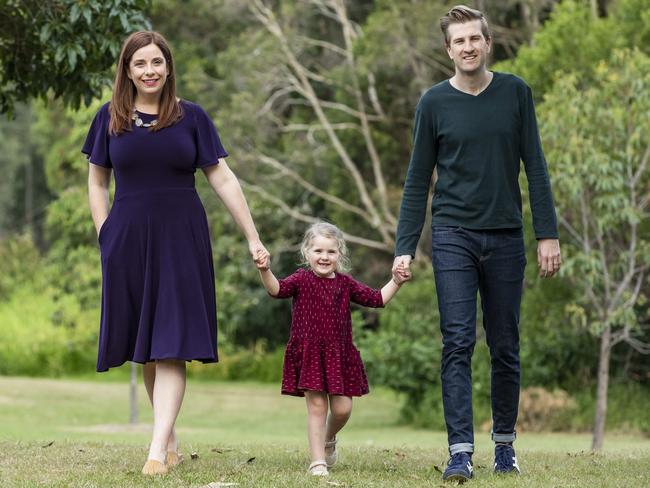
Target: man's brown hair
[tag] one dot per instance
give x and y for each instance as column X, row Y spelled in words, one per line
column 461, row 14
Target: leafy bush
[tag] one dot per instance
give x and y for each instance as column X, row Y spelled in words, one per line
column 404, row 353
column 255, row 364
column 540, row 410
column 38, row 347
column 20, row 263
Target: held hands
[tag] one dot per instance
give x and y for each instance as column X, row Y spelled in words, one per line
column 402, row 269
column 260, row 255
column 262, row 260
column 263, row 263
column 549, row 259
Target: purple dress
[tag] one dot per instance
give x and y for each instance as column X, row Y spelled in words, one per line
column 320, row 355
column 158, row 295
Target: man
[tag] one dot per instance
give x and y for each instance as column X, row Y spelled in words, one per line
column 475, row 128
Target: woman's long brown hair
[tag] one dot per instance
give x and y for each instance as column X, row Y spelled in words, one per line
column 124, row 91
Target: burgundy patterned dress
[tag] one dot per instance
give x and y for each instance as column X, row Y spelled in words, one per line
column 320, row 355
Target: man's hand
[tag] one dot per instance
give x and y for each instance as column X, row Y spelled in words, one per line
column 402, row 268
column 548, row 257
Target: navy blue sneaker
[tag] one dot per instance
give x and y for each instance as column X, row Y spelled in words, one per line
column 459, row 467
column 505, row 460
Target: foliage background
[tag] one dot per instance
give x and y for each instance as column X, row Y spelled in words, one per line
column 231, row 64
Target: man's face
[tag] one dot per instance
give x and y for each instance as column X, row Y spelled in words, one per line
column 467, row 47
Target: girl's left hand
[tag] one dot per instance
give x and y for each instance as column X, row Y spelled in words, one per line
column 258, row 252
column 401, row 272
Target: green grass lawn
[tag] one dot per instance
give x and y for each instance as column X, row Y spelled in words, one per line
column 227, row 424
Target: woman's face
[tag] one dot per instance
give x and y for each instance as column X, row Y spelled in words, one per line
column 148, row 70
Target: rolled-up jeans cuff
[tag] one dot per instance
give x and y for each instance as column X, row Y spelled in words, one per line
column 504, row 437
column 461, row 447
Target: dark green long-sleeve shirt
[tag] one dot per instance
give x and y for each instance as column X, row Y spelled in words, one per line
column 476, row 143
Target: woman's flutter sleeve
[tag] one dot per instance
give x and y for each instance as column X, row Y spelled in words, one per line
column 208, row 143
column 97, row 141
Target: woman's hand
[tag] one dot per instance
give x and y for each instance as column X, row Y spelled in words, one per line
column 98, row 181
column 261, row 257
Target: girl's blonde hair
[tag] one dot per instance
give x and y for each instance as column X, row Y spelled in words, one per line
column 325, row 229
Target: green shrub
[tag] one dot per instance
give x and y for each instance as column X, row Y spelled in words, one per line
column 627, row 408
column 20, row 263
column 404, row 353
column 544, row 410
column 254, row 364
column 38, row 347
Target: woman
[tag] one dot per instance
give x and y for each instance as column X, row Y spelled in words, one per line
column 158, row 297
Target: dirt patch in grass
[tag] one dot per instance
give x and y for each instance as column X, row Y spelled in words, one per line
column 5, row 400
column 112, row 428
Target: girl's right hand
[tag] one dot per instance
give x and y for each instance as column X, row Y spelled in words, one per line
column 263, row 261
column 258, row 252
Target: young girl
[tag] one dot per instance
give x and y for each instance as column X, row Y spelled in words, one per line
column 321, row 363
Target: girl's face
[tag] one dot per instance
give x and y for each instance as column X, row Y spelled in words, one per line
column 323, row 256
column 148, row 70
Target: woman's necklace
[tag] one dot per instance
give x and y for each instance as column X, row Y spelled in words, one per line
column 140, row 123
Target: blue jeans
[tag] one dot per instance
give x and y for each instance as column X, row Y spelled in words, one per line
column 492, row 263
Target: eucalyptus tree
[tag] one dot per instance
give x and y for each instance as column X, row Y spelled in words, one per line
column 598, row 137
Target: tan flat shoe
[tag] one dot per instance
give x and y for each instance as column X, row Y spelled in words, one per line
column 318, row 468
column 153, row 468
column 174, row 459
column 331, row 454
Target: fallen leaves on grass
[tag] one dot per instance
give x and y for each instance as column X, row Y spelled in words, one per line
column 579, row 454
column 397, row 454
column 250, row 460
column 219, row 450
column 194, row 455
column 48, row 444
column 219, row 484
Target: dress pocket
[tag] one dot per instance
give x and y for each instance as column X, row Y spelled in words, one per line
column 102, row 229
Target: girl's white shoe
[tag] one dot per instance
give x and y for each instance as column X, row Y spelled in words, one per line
column 318, row 468
column 331, row 455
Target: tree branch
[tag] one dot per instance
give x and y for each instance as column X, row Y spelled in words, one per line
column 574, row 233
column 268, row 20
column 292, row 212
column 277, row 165
column 315, row 127
column 374, row 99
column 324, row 44
column 641, row 170
column 348, row 36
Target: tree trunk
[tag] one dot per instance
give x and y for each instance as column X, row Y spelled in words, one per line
column 601, row 396
column 530, row 18
column 133, row 394
column 29, row 197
